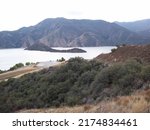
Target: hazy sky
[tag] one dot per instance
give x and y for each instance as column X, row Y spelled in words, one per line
column 18, row 13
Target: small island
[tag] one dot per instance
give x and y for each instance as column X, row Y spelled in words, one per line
column 42, row 47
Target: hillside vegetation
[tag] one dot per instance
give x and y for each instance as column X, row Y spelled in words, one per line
column 123, row 53
column 75, row 83
column 136, row 103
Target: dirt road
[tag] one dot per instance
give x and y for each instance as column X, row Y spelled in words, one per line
column 27, row 69
column 18, row 72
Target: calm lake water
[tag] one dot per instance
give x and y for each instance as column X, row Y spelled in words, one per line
column 10, row 57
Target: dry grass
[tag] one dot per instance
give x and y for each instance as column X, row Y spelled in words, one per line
column 25, row 70
column 138, row 102
column 19, row 72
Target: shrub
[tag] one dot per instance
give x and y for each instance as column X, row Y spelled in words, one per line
column 113, row 50
column 28, row 63
column 61, row 60
column 1, row 71
column 19, row 65
column 146, row 73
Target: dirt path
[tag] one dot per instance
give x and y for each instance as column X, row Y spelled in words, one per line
column 19, row 72
column 27, row 69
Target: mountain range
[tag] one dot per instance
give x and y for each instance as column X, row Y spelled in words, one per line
column 61, row 32
column 141, row 27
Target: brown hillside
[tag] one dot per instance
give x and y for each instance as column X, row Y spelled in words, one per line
column 141, row 52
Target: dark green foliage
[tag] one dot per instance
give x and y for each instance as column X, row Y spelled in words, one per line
column 19, row 65
column 146, row 73
column 28, row 63
column 113, row 50
column 61, row 60
column 1, row 71
column 49, row 87
column 78, row 82
column 117, row 79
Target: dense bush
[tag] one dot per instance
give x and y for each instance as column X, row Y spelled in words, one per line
column 146, row 72
column 77, row 82
column 28, row 63
column 61, row 60
column 19, row 65
column 1, row 71
column 113, row 50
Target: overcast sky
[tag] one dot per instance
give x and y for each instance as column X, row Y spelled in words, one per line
column 18, row 13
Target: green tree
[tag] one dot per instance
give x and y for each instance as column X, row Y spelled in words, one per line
column 19, row 65
column 28, row 63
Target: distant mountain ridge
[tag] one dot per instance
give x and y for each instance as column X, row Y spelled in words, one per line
column 61, row 32
column 141, row 27
column 136, row 26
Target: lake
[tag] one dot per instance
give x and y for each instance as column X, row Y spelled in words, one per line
column 10, row 57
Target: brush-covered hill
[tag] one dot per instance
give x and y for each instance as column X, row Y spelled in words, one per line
column 61, row 32
column 78, row 82
column 123, row 53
